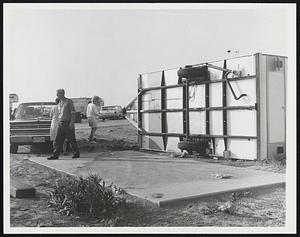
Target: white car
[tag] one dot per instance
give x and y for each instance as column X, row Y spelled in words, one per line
column 111, row 112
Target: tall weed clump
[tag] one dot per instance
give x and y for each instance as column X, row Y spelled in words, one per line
column 86, row 196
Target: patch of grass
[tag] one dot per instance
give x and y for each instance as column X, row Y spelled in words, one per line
column 88, row 197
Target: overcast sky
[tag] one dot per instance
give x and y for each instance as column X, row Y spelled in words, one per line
column 101, row 52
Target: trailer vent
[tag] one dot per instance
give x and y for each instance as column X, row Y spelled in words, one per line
column 279, row 149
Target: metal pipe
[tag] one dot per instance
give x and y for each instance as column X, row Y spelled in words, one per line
column 187, row 97
column 142, row 91
column 163, row 104
column 224, row 103
column 207, row 106
column 196, row 136
column 200, row 109
column 234, row 95
column 139, row 114
column 225, row 75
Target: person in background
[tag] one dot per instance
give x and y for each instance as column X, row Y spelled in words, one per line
column 54, row 126
column 66, row 129
column 54, row 121
column 92, row 116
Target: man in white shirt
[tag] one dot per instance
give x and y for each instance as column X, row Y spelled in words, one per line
column 92, row 115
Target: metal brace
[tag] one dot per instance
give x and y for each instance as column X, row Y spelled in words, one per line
column 227, row 72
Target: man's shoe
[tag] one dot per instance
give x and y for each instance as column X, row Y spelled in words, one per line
column 76, row 155
column 52, row 158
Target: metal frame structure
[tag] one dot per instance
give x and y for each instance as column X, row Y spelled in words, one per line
column 185, row 108
column 185, row 84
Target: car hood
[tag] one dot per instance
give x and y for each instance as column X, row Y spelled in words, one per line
column 30, row 120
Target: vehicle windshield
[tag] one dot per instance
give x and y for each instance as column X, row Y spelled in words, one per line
column 32, row 111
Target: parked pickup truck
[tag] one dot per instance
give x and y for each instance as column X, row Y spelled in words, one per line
column 111, row 112
column 31, row 125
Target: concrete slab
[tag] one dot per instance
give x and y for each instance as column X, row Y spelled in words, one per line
column 160, row 178
column 18, row 189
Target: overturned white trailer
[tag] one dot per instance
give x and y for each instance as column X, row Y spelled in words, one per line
column 233, row 108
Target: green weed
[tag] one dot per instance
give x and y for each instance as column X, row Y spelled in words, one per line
column 86, row 196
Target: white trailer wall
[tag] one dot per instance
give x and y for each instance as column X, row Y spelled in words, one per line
column 252, row 133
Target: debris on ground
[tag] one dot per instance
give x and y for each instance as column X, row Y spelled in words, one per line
column 121, row 144
column 209, row 210
column 118, row 190
column 184, row 154
column 247, row 193
column 228, row 207
column 24, row 209
column 45, row 183
column 237, row 195
column 175, row 154
column 223, row 176
column 114, row 144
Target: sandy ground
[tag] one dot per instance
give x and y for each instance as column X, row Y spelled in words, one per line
column 256, row 208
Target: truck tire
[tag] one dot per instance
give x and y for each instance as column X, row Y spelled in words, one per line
column 191, row 72
column 190, row 146
column 13, row 148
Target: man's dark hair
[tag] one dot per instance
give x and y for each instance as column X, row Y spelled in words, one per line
column 61, row 90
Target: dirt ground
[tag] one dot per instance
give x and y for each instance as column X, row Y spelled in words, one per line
column 263, row 208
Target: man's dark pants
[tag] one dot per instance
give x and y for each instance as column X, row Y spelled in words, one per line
column 64, row 132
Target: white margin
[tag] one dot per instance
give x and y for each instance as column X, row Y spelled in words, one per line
column 291, row 125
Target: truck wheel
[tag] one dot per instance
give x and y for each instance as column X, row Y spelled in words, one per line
column 13, row 148
column 190, row 146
